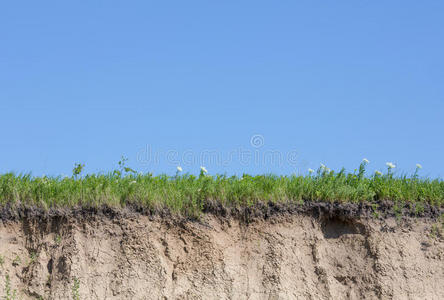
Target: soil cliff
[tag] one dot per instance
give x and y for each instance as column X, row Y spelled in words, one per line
column 280, row 256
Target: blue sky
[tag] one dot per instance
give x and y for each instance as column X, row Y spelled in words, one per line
column 191, row 82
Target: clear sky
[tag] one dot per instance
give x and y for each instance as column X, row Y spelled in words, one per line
column 189, row 83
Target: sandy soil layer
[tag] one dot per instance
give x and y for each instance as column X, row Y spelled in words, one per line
column 283, row 256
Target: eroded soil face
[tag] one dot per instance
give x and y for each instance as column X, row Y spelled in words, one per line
column 284, row 257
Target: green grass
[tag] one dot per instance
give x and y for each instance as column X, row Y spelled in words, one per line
column 187, row 194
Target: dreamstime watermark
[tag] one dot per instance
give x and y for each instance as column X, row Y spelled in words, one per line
column 257, row 141
column 253, row 155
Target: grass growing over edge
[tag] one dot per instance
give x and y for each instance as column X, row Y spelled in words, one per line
column 187, row 194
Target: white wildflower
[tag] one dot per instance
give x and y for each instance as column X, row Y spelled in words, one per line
column 365, row 160
column 378, row 173
column 179, row 169
column 310, row 170
column 390, row 165
column 419, row 166
column 203, row 169
column 323, row 166
column 133, row 182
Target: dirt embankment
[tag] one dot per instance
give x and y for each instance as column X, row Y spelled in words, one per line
column 311, row 255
